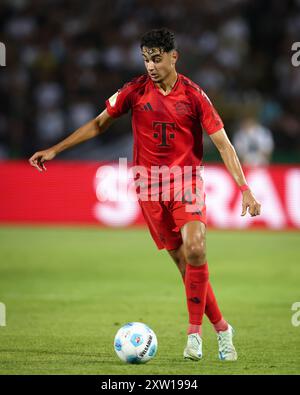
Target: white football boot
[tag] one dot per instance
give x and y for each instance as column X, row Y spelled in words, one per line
column 227, row 351
column 193, row 348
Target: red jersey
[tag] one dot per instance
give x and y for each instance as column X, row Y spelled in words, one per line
column 168, row 130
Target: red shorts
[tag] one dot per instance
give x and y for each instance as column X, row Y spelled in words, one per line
column 166, row 218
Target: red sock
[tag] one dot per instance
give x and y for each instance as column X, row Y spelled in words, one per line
column 212, row 309
column 213, row 312
column 196, row 281
column 194, row 329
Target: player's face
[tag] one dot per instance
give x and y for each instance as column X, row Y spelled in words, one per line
column 159, row 64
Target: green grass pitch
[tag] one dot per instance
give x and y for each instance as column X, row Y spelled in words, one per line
column 68, row 290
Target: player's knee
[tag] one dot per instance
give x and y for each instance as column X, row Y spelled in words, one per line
column 195, row 253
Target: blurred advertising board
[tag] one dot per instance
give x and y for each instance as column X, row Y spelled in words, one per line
column 96, row 193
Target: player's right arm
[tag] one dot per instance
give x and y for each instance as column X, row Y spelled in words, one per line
column 91, row 129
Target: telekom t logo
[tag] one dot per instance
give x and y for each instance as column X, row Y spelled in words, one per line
column 2, row 54
column 162, row 132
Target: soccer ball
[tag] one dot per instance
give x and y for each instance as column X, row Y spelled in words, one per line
column 135, row 342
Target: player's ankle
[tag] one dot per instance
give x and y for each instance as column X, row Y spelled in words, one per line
column 221, row 326
column 194, row 328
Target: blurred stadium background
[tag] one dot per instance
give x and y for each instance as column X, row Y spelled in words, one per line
column 63, row 60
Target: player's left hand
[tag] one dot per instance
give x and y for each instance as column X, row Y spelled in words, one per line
column 250, row 203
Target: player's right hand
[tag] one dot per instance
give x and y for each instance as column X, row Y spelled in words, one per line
column 38, row 159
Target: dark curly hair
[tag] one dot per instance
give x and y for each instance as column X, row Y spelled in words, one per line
column 159, row 38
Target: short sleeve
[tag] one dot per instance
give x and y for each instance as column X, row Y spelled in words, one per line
column 121, row 102
column 209, row 118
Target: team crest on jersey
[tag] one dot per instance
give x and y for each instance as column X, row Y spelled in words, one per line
column 182, row 107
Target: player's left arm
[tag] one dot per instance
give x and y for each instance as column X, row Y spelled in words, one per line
column 232, row 163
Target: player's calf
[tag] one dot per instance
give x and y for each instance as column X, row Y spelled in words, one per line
column 179, row 259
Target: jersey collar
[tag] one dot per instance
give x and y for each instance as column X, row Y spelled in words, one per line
column 171, row 91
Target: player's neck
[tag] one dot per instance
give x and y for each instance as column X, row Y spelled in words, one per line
column 167, row 85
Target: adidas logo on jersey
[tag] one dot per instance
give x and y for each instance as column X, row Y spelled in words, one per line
column 146, row 107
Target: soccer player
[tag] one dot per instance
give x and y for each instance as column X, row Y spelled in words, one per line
column 169, row 115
